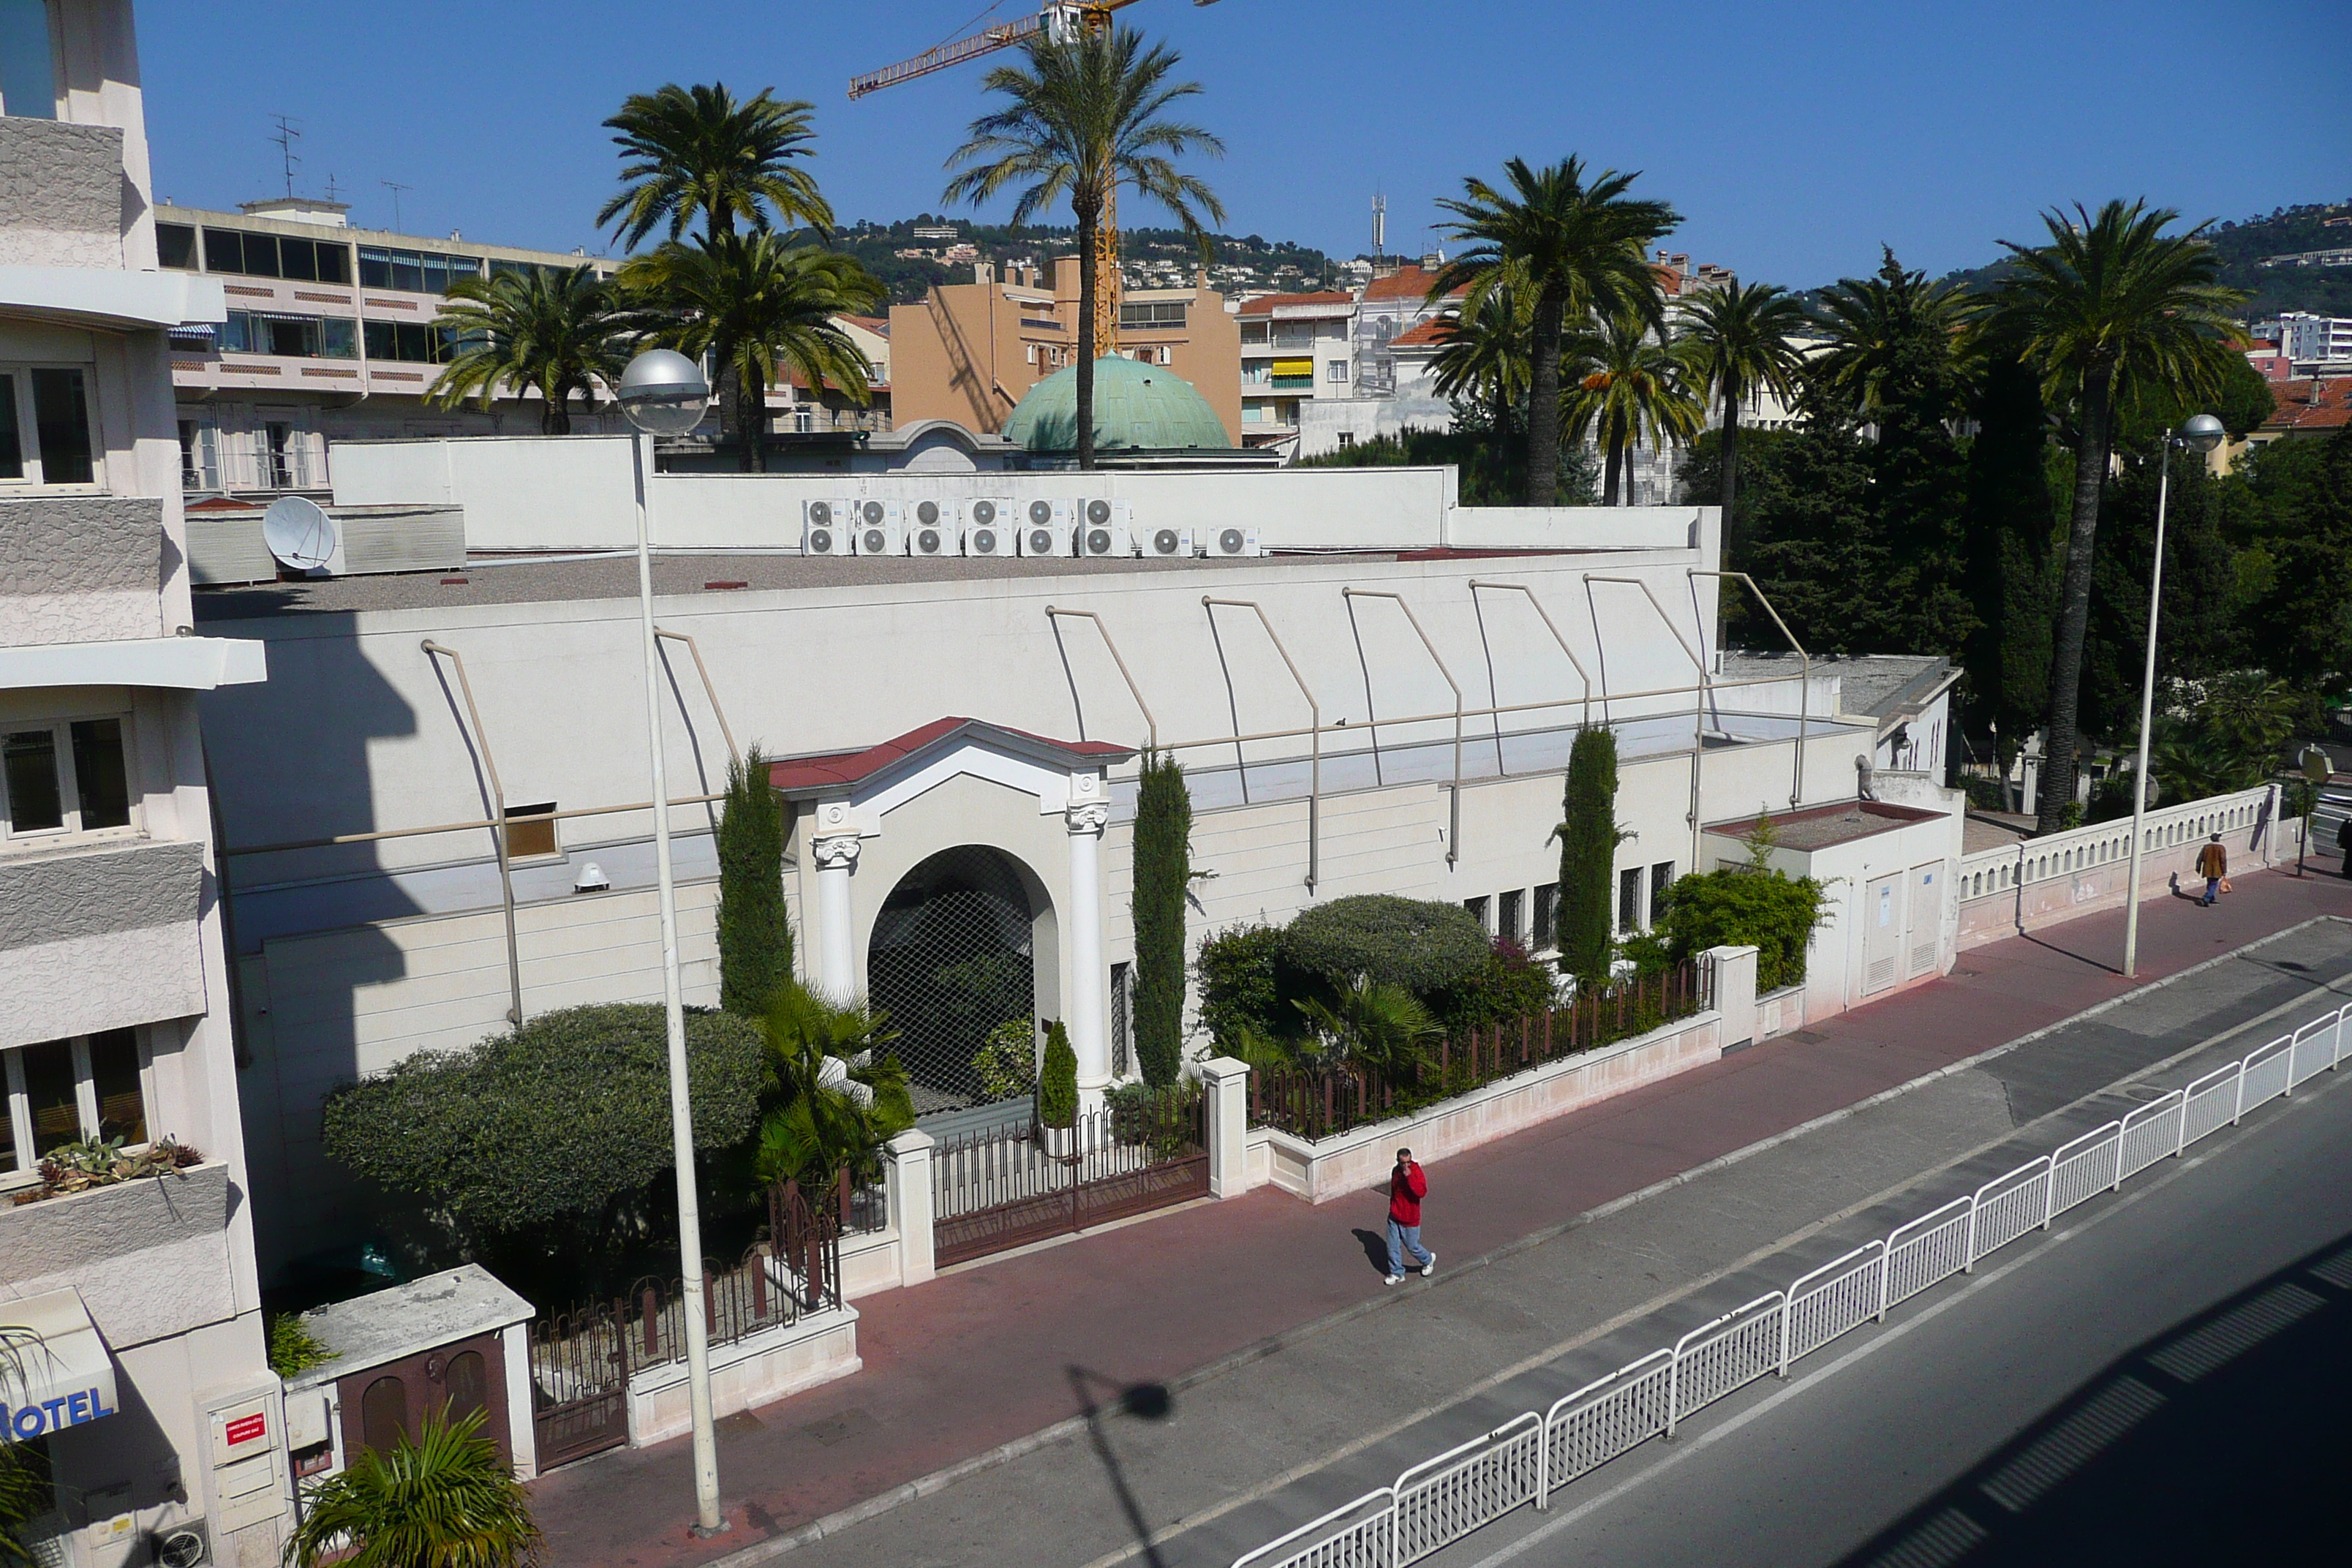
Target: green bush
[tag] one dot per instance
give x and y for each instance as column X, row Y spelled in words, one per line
column 1006, row 1062
column 1508, row 986
column 547, row 1124
column 1241, row 975
column 1419, row 944
column 1163, row 875
column 755, row 940
column 1159, row 1118
column 292, row 1347
column 1588, row 854
column 1057, row 1082
column 1743, row 906
column 1984, row 794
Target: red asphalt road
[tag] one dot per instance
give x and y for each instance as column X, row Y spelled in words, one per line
column 978, row 1358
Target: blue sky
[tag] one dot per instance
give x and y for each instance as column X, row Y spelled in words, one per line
column 1794, row 136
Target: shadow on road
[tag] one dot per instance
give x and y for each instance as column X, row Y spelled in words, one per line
column 1147, row 1401
column 2218, row 1441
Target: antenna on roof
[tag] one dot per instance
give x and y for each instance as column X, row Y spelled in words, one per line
column 1380, row 228
column 396, row 187
column 285, row 139
column 334, row 191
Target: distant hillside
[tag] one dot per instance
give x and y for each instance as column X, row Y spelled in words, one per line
column 2246, row 243
column 1149, row 257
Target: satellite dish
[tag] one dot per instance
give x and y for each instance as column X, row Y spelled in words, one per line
column 299, row 533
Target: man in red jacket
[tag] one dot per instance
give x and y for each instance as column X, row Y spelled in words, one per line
column 1407, row 1187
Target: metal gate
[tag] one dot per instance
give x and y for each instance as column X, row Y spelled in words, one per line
column 580, row 1382
column 949, row 961
column 1008, row 1185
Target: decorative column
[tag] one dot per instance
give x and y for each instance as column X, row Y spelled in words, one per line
column 1087, row 1013
column 1225, row 1084
column 836, row 943
column 910, row 1204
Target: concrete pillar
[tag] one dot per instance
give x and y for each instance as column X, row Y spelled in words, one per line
column 910, row 1204
column 1225, row 1085
column 1087, row 1013
column 836, row 927
column 1735, row 993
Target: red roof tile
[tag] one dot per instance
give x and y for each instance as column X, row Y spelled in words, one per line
column 1404, row 283
column 1428, row 333
column 834, row 770
column 1265, row 303
column 2299, row 410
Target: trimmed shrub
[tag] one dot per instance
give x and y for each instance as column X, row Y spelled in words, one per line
column 1240, row 971
column 1744, row 906
column 1508, row 985
column 1163, row 874
column 1057, row 1081
column 547, row 1124
column 755, row 940
column 1587, row 852
column 1006, row 1062
column 1421, row 945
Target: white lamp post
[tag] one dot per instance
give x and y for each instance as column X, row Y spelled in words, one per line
column 2199, row 433
column 664, row 393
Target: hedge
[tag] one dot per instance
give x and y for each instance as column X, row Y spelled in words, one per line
column 1413, row 942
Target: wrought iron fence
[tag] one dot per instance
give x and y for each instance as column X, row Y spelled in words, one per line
column 1317, row 1103
column 1439, row 1502
column 1002, row 1186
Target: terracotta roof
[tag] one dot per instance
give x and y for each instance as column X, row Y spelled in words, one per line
column 834, row 771
column 1265, row 303
column 2299, row 411
column 1404, row 283
column 878, row 325
column 1428, row 333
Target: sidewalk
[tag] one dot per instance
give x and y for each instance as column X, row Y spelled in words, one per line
column 984, row 1357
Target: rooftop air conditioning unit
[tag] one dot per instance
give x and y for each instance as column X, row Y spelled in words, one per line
column 824, row 528
column 930, row 530
column 1106, row 528
column 988, row 527
column 876, row 529
column 1168, row 543
column 1232, row 539
column 1045, row 527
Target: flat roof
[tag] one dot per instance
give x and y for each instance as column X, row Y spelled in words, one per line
column 1820, row 827
column 403, row 1320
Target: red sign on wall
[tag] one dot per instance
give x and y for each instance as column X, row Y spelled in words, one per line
column 247, row 1429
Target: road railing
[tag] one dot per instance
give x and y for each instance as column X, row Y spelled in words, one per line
column 1527, row 1459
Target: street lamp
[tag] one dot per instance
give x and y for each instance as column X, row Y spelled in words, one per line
column 663, row 393
column 2198, row 433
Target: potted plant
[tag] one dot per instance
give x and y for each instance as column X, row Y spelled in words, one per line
column 1057, row 1095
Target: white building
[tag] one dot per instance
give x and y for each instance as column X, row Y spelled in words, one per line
column 2310, row 341
column 1296, row 350
column 131, row 1310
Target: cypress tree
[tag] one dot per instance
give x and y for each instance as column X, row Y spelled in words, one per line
column 1163, row 871
column 755, row 938
column 2009, row 527
column 1587, row 850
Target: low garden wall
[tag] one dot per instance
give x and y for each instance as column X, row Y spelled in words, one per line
column 761, row 1367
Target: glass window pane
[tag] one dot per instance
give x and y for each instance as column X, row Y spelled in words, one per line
column 61, row 420
column 299, row 260
column 12, row 445
column 469, row 1382
column 380, row 340
column 405, row 271
column 383, row 1414
column 28, row 81
column 464, row 267
column 49, row 1091
column 9, row 1151
column 28, row 761
column 334, row 262
column 99, row 776
column 1629, row 901
column 176, row 245
column 435, row 273
column 224, row 250
column 375, row 267
column 261, row 255
column 337, row 338
column 114, row 1075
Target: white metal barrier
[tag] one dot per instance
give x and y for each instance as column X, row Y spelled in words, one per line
column 1530, row 1457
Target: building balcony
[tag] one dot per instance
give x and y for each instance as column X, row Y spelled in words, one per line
column 80, row 568
column 60, row 194
column 150, row 1257
column 100, row 935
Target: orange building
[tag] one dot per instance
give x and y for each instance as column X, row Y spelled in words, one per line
column 970, row 351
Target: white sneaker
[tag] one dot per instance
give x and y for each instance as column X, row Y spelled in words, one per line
column 1429, row 1267
column 1395, row 1279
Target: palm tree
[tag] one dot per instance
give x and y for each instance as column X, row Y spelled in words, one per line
column 757, row 307
column 446, row 1501
column 1631, row 387
column 552, row 332
column 1374, row 1024
column 1484, row 354
column 1876, row 326
column 1736, row 342
column 1087, row 116
column 836, row 1095
column 2110, row 309
column 699, row 154
column 1577, row 247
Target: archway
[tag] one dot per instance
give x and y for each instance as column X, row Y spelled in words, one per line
column 952, row 956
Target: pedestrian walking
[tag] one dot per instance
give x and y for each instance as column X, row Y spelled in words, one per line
column 1407, row 1187
column 2212, row 864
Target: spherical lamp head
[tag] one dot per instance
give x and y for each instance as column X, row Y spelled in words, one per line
column 2202, row 433
column 663, row 393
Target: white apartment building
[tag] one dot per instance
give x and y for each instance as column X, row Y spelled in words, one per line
column 1295, row 348
column 2310, row 341
column 136, row 1365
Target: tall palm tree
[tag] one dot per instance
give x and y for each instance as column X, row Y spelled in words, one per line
column 1577, row 246
column 1484, row 354
column 552, row 332
column 758, row 306
column 2111, row 309
column 1875, row 325
column 697, row 152
column 1087, row 115
column 1736, row 342
column 1631, row 386
column 443, row 1501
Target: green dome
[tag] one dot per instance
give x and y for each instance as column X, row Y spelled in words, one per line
column 1137, row 406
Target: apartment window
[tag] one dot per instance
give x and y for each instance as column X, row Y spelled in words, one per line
column 275, row 256
column 1153, row 312
column 530, row 832
column 415, row 271
column 1347, row 439
column 63, row 779
column 1335, row 370
column 290, row 337
column 1479, row 909
column 66, row 1092
column 1253, row 332
column 1511, row 916
column 1629, row 901
column 45, row 432
column 1662, row 876
column 413, row 341
column 199, row 455
column 175, row 245
column 1293, row 334
column 1546, row 930
column 1256, row 372
column 29, row 79
column 524, row 269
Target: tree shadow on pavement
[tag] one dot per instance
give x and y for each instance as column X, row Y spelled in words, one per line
column 1147, row 1401
column 2217, row 1441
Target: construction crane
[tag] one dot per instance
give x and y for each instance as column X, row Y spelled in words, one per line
column 1058, row 19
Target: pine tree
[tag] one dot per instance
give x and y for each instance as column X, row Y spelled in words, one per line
column 2008, row 531
column 755, row 938
column 1163, row 873
column 1587, row 852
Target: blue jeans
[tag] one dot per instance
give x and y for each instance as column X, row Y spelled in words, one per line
column 2213, row 888
column 1402, row 1239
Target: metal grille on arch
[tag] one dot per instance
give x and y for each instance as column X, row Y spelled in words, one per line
column 952, row 959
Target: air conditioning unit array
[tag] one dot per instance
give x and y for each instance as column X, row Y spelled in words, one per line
column 1232, row 539
column 989, row 526
column 1096, row 529
column 824, row 528
column 1106, row 528
column 930, row 529
column 1045, row 527
column 876, row 529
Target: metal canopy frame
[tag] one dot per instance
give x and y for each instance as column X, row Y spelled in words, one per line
column 481, row 739
column 1805, row 688
column 1454, row 796
column 1315, row 718
column 1699, row 720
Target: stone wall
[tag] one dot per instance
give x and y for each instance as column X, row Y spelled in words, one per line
column 61, row 193
column 80, row 568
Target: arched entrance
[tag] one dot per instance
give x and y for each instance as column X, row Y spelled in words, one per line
column 952, row 957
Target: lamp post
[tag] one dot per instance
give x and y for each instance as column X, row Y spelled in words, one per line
column 664, row 393
column 2198, row 433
